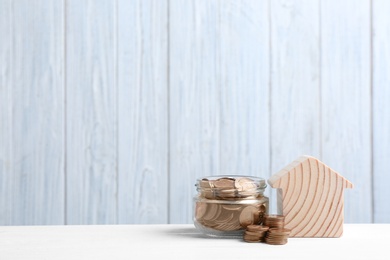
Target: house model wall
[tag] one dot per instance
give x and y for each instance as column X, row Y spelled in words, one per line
column 311, row 197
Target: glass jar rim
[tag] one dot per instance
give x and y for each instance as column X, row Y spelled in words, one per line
column 228, row 187
column 260, row 182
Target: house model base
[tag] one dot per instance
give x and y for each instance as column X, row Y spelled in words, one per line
column 311, row 197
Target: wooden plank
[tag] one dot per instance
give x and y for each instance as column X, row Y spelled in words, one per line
column 244, row 80
column 31, row 113
column 5, row 113
column 295, row 82
column 345, row 102
column 194, row 101
column 91, row 131
column 142, row 112
column 381, row 109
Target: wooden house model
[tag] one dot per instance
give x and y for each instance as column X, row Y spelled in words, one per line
column 311, row 197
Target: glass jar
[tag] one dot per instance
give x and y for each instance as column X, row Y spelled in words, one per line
column 225, row 205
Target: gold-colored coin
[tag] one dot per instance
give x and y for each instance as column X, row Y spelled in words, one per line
column 253, row 233
column 249, row 215
column 277, row 236
column 273, row 221
column 235, row 222
column 257, row 228
column 226, row 194
column 229, row 226
column 205, row 183
column 224, row 188
column 244, row 184
column 208, row 194
column 279, row 231
column 200, row 209
column 274, row 217
column 281, row 242
column 232, row 207
column 228, row 220
column 224, row 183
column 249, row 238
column 213, row 211
column 207, row 188
column 224, row 217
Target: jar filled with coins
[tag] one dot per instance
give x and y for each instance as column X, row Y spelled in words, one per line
column 225, row 205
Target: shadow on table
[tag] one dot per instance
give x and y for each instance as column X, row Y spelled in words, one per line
column 185, row 232
column 190, row 232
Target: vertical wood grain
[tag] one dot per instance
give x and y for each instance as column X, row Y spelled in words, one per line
column 295, row 82
column 194, row 101
column 381, row 109
column 142, row 112
column 244, row 83
column 91, row 97
column 345, row 99
column 32, row 113
column 5, row 113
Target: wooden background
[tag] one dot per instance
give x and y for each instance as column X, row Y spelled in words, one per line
column 109, row 110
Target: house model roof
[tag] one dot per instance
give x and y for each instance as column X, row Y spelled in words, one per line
column 275, row 181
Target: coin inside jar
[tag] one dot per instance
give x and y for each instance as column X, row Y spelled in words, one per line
column 200, row 209
column 224, row 183
column 224, row 188
column 244, row 184
column 249, row 215
column 207, row 188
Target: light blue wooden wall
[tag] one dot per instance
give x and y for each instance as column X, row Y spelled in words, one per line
column 109, row 110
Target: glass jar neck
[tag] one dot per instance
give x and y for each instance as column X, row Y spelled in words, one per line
column 230, row 187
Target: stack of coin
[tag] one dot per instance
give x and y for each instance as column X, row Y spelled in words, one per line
column 277, row 236
column 255, row 233
column 273, row 221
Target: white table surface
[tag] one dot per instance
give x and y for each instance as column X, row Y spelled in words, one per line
column 359, row 241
